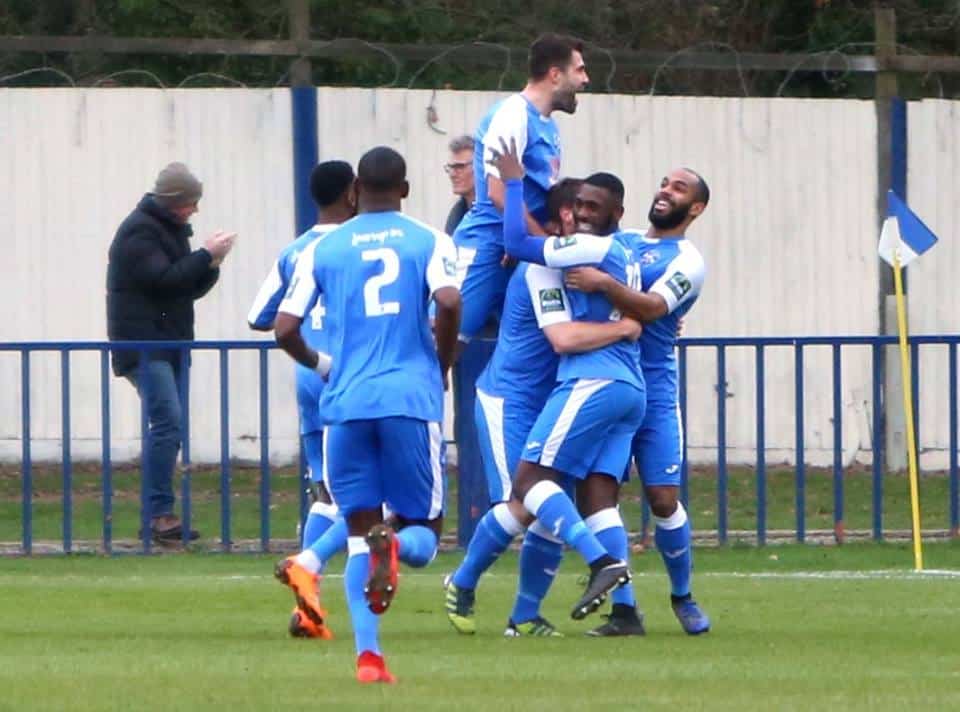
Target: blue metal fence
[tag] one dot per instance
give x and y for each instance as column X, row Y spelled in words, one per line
column 720, row 346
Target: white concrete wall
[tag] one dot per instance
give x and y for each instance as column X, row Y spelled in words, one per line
column 789, row 237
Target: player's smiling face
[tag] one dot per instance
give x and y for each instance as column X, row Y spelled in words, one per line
column 593, row 210
column 671, row 204
column 568, row 82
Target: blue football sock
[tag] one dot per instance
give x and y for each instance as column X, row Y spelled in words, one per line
column 313, row 453
column 608, row 527
column 334, row 540
column 321, row 517
column 494, row 532
column 365, row 624
column 672, row 536
column 539, row 559
column 418, row 545
column 555, row 510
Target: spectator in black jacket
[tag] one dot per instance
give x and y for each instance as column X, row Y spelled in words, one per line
column 153, row 279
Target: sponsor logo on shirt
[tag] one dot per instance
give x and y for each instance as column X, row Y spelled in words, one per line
column 551, row 300
column 679, row 285
column 560, row 242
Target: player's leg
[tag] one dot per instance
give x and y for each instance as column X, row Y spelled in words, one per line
column 483, row 284
column 658, row 449
column 540, row 557
column 568, row 436
column 498, row 527
column 415, row 484
column 356, row 484
column 333, row 535
column 598, row 498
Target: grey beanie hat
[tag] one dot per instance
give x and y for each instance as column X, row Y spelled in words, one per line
column 176, row 186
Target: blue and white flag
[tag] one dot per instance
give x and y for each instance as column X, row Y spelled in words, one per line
column 904, row 232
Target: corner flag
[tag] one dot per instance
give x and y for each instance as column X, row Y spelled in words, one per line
column 903, row 238
column 904, row 230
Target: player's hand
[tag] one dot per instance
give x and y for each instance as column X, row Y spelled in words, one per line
column 506, row 161
column 507, row 261
column 586, row 279
column 631, row 328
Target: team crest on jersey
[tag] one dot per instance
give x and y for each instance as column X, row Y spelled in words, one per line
column 551, row 300
column 450, row 267
column 679, row 285
column 648, row 258
column 560, row 242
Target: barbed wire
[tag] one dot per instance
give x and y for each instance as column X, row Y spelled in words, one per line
column 694, row 47
column 822, row 61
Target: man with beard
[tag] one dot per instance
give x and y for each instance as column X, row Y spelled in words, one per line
column 556, row 73
column 536, row 328
column 588, row 421
column 672, row 275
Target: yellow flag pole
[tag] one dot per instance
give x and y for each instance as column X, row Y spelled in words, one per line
column 908, row 408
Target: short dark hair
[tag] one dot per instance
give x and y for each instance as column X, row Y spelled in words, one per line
column 550, row 50
column 702, row 189
column 329, row 180
column 382, row 169
column 608, row 182
column 561, row 195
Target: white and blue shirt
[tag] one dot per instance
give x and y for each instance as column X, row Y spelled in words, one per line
column 523, row 368
column 263, row 312
column 674, row 269
column 619, row 361
column 538, row 143
column 376, row 274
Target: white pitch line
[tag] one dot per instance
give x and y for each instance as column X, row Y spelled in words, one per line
column 879, row 574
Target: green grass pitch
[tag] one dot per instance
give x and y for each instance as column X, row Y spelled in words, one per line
column 795, row 628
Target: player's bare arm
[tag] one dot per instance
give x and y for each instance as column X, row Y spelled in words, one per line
column 643, row 306
column 574, row 337
column 287, row 332
column 446, row 328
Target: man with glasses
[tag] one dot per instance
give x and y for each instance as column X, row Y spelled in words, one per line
column 460, row 170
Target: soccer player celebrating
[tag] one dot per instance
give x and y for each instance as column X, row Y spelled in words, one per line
column 672, row 277
column 556, row 74
column 331, row 185
column 511, row 392
column 383, row 403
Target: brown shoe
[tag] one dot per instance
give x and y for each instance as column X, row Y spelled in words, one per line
column 168, row 527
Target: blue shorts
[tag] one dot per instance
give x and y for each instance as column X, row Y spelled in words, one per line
column 483, row 279
column 309, row 387
column 397, row 461
column 658, row 445
column 502, row 429
column 587, row 426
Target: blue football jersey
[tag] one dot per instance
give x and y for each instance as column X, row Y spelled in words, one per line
column 674, row 269
column 538, row 144
column 264, row 310
column 619, row 361
column 523, row 367
column 376, row 274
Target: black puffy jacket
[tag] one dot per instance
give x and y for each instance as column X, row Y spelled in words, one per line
column 152, row 281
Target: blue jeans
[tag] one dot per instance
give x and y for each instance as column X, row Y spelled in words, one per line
column 160, row 396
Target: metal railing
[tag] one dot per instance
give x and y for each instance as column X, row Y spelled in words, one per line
column 760, row 345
